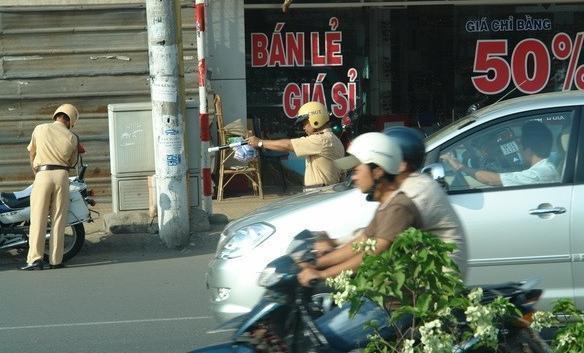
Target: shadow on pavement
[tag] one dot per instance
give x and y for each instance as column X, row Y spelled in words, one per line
column 105, row 249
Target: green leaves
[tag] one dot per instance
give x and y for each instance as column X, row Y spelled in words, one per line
column 570, row 337
column 418, row 273
column 423, row 303
column 565, row 307
column 398, row 280
column 417, row 264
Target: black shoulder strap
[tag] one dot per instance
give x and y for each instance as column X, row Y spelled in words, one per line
column 79, row 158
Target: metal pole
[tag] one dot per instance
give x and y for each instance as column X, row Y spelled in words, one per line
column 168, row 109
column 206, row 202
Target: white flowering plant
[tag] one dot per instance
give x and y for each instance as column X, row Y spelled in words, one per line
column 419, row 281
column 569, row 337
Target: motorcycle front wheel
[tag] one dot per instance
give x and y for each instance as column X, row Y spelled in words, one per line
column 74, row 239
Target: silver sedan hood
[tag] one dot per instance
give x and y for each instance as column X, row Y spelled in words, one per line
column 316, row 210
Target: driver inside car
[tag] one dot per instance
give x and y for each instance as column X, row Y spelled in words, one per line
column 536, row 145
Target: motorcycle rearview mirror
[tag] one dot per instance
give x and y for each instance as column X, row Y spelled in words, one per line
column 307, row 256
column 530, row 283
column 437, row 172
column 300, row 249
column 302, row 242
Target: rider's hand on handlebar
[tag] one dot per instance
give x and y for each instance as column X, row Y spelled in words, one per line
column 308, row 276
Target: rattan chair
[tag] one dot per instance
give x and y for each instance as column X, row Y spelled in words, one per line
column 229, row 167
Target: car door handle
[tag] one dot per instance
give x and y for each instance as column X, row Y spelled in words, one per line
column 554, row 210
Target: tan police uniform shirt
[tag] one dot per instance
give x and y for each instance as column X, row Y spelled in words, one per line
column 438, row 215
column 320, row 150
column 53, row 144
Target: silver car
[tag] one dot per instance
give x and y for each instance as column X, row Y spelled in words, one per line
column 513, row 232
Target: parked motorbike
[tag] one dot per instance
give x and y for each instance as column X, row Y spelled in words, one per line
column 15, row 217
column 292, row 318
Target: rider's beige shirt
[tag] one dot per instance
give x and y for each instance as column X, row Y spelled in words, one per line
column 438, row 215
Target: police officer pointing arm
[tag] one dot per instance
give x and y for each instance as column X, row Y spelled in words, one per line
column 320, row 147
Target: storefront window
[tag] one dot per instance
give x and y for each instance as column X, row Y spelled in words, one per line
column 422, row 66
column 509, row 51
column 300, row 57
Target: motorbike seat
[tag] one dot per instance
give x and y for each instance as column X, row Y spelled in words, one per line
column 10, row 200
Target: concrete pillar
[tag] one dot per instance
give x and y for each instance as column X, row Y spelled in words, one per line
column 226, row 55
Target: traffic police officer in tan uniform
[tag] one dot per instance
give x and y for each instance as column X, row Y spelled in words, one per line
column 320, row 147
column 53, row 150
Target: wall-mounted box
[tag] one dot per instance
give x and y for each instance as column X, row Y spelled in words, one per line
column 132, row 153
column 131, row 193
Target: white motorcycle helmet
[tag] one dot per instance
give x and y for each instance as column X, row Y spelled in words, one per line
column 373, row 147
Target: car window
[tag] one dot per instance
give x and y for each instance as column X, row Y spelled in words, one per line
column 523, row 151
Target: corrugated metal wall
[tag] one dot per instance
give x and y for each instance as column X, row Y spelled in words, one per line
column 88, row 56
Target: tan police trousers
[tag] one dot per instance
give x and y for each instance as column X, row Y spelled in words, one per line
column 50, row 192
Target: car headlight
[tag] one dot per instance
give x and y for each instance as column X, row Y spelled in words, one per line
column 269, row 277
column 245, row 239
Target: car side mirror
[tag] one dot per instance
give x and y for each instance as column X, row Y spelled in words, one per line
column 437, row 172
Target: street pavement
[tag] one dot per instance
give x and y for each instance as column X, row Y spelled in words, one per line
column 121, row 293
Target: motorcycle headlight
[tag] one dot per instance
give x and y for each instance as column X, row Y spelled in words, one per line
column 245, row 239
column 269, row 277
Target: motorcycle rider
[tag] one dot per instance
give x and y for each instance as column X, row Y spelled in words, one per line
column 438, row 215
column 53, row 150
column 377, row 159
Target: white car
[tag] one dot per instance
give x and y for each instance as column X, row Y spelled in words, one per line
column 513, row 233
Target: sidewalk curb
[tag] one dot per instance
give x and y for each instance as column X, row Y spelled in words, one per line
column 131, row 222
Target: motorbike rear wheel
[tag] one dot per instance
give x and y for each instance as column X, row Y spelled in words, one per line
column 74, row 239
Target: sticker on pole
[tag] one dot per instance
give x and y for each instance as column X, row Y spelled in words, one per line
column 164, row 92
column 173, row 160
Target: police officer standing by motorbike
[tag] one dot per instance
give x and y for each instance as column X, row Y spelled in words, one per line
column 53, row 150
column 320, row 147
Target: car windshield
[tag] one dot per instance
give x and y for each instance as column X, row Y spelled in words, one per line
column 455, row 125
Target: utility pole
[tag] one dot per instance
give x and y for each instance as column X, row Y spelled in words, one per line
column 206, row 201
column 168, row 112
